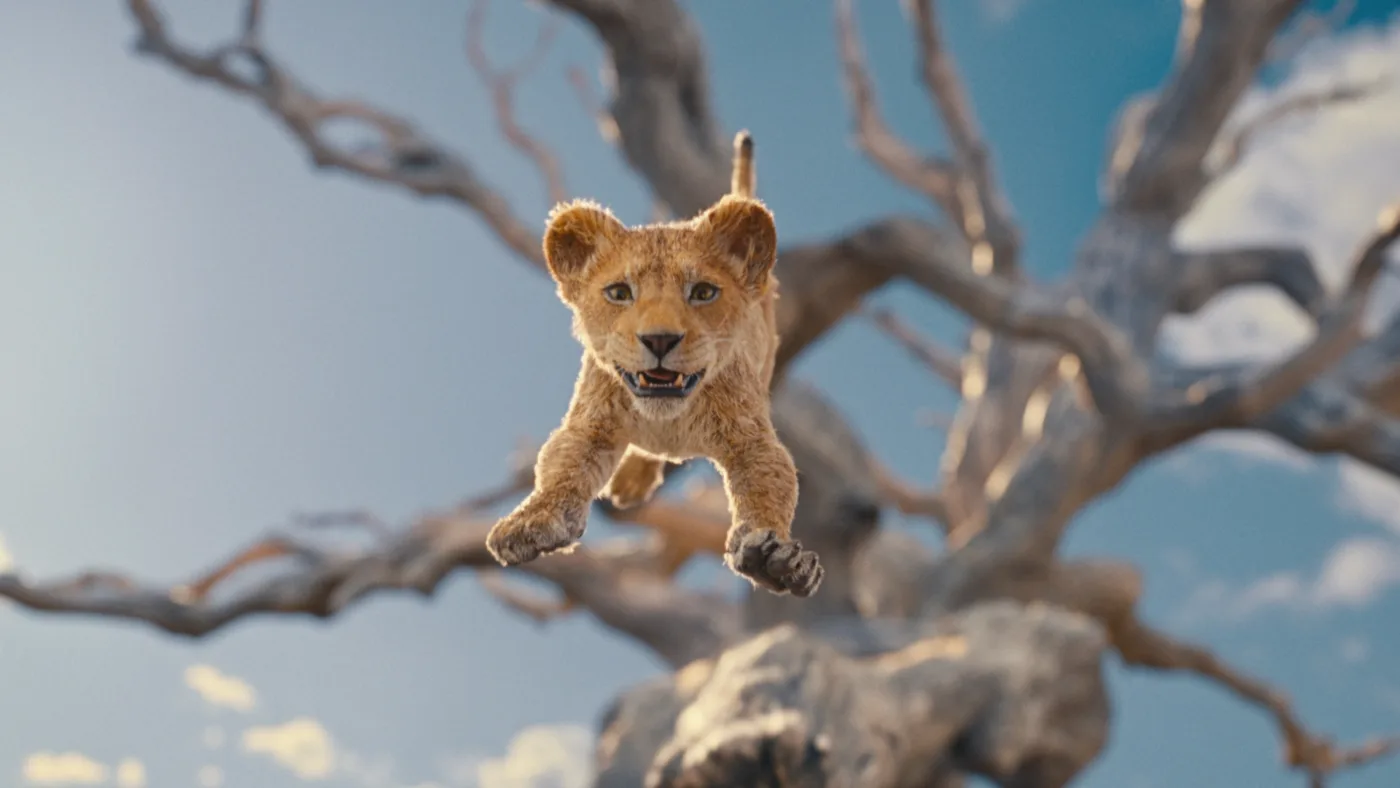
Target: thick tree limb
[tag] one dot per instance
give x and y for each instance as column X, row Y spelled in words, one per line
column 1326, row 418
column 1019, row 309
column 1012, row 693
column 1157, row 166
column 1236, row 395
column 662, row 101
column 405, row 156
column 1205, row 275
column 502, row 84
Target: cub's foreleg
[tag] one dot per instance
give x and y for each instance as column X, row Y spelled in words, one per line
column 572, row 467
column 636, row 478
column 761, row 481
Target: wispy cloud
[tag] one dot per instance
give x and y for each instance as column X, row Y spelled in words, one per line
column 63, row 768
column 541, row 756
column 301, row 745
column 210, row 777
column 1001, row 11
column 218, row 689
column 1354, row 573
column 131, row 773
column 1354, row 650
column 1370, row 493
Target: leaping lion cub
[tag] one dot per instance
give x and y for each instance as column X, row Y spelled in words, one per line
column 679, row 340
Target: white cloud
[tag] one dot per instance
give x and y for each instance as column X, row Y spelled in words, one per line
column 220, row 690
column 1370, row 493
column 1356, row 572
column 210, row 777
column 1001, row 11
column 541, row 756
column 1354, row 650
column 131, row 773
column 301, row 745
column 65, row 768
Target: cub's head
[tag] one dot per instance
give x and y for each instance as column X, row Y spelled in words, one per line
column 664, row 306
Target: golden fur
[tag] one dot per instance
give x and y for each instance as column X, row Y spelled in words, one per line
column 615, row 438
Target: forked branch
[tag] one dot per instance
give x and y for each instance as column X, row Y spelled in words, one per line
column 403, row 156
column 931, row 176
column 1319, row 758
column 986, row 217
column 964, row 187
column 502, row 85
column 1236, row 395
column 1157, row 165
column 618, row 585
column 1201, row 276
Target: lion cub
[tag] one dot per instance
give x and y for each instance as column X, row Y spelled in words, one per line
column 679, row 340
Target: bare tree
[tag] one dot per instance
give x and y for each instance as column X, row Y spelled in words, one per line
column 907, row 668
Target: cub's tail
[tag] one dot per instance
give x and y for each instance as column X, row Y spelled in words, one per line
column 743, row 182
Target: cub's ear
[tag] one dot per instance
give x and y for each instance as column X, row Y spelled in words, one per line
column 575, row 232
column 743, row 228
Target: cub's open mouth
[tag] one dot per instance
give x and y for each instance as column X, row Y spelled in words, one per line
column 660, row 382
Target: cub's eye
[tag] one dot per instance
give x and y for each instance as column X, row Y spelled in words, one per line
column 703, row 293
column 618, row 293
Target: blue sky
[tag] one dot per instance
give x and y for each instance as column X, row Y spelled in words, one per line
column 204, row 336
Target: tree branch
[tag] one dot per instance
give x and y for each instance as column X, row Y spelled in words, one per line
column 908, row 499
column 1201, row 276
column 941, row 361
column 617, row 585
column 931, row 176
column 1232, row 149
column 922, row 255
column 1157, row 165
column 405, row 156
column 662, row 102
column 1307, row 27
column 501, row 85
column 1317, row 757
column 607, row 127
column 986, row 217
column 1326, row 418
column 1236, row 395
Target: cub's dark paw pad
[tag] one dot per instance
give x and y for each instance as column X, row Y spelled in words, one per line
column 523, row 536
column 780, row 566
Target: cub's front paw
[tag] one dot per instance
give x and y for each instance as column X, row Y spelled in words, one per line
column 532, row 531
column 777, row 565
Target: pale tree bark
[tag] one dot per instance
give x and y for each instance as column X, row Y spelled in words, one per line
column 908, row 668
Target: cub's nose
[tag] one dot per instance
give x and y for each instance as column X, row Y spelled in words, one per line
column 660, row 344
